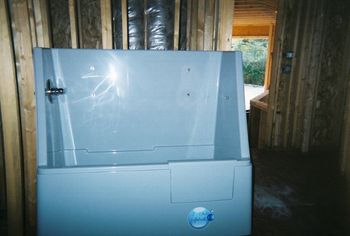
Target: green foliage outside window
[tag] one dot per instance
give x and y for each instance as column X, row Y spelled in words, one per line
column 254, row 59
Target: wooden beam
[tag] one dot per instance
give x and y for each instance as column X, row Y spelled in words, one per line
column 42, row 24
column 251, row 31
column 25, row 77
column 10, row 119
column 226, row 8
column 209, row 24
column 106, row 21
column 176, row 24
column 125, row 24
column 72, row 4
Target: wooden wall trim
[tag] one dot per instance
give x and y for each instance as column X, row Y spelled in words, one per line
column 11, row 126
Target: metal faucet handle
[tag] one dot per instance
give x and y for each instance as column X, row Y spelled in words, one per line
column 50, row 91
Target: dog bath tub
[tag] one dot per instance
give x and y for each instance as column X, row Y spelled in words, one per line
column 141, row 143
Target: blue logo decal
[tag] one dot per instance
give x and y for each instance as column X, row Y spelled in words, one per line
column 200, row 217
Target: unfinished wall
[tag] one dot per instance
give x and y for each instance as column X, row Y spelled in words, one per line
column 307, row 94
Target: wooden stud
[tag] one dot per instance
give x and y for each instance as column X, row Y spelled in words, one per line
column 194, row 20
column 269, row 57
column 106, row 21
column 42, row 24
column 176, row 24
column 125, row 24
column 2, row 170
column 312, row 83
column 189, row 25
column 209, row 24
column 288, row 104
column 272, row 117
column 11, row 126
column 32, row 22
column 200, row 25
column 25, row 77
column 226, row 8
column 345, row 143
column 73, row 23
column 216, row 25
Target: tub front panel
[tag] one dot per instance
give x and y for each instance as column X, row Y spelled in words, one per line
column 137, row 202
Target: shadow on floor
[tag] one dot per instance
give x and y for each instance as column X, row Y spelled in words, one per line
column 298, row 194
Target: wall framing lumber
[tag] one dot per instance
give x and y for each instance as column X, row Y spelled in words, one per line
column 72, row 4
column 226, row 8
column 194, row 24
column 106, row 21
column 269, row 57
column 10, row 126
column 177, row 25
column 42, row 24
column 125, row 24
column 200, row 25
column 209, row 24
column 25, row 77
column 189, row 25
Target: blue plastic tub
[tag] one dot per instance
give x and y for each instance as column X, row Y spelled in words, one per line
column 141, row 143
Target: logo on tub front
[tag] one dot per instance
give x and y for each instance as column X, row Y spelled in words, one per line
column 200, row 217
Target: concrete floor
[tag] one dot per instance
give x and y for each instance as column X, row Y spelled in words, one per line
column 297, row 194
